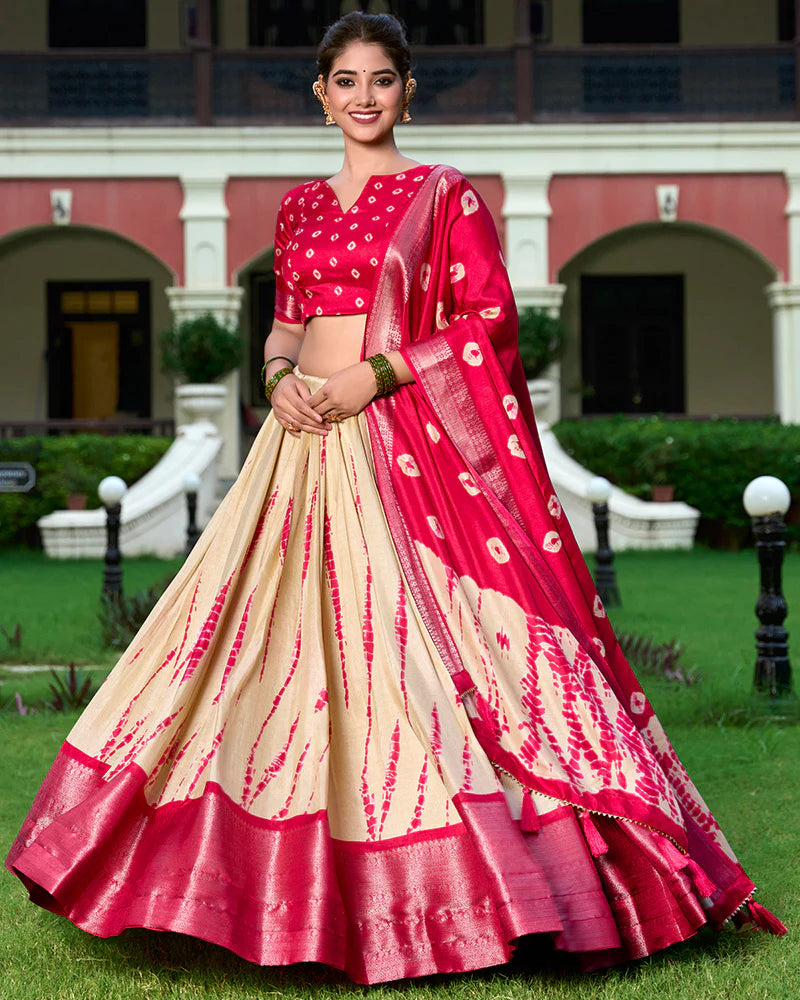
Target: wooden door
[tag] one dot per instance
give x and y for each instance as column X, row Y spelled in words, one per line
column 95, row 369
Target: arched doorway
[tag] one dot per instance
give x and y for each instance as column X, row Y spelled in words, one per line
column 668, row 319
column 82, row 310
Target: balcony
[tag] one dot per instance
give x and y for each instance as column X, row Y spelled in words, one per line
column 456, row 84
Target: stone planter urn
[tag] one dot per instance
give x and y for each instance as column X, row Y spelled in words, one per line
column 201, row 400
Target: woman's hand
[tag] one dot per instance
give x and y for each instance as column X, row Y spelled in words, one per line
column 290, row 404
column 345, row 393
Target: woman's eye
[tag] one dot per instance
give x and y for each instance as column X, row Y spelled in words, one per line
column 385, row 81
column 344, row 82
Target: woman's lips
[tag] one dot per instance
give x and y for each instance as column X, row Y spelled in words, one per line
column 365, row 117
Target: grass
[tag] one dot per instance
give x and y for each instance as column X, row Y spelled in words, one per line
column 746, row 772
column 748, row 776
column 57, row 602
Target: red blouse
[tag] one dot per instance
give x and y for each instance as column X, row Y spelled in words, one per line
column 326, row 259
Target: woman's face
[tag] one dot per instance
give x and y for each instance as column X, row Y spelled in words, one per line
column 365, row 92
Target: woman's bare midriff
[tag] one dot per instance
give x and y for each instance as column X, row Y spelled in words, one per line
column 331, row 343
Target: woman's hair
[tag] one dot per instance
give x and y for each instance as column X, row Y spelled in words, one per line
column 377, row 29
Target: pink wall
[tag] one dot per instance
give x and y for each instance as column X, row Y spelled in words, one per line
column 143, row 210
column 748, row 206
column 253, row 204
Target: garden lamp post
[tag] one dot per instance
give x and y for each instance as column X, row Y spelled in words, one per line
column 111, row 491
column 598, row 492
column 191, row 487
column 766, row 500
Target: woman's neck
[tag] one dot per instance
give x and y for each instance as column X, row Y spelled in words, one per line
column 362, row 161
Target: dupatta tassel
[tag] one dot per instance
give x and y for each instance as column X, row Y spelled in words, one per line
column 677, row 861
column 529, row 821
column 702, row 882
column 594, row 839
column 765, row 920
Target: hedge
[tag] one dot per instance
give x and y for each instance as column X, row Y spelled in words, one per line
column 89, row 456
column 708, row 461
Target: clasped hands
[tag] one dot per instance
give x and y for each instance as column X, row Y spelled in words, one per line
column 344, row 394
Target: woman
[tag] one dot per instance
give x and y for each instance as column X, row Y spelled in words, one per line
column 380, row 720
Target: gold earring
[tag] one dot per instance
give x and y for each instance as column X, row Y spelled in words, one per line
column 322, row 97
column 409, row 91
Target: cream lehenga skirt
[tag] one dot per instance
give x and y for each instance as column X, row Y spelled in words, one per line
column 280, row 764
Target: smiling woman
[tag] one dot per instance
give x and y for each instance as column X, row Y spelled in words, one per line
column 380, row 719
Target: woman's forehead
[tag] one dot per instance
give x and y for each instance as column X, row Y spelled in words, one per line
column 367, row 57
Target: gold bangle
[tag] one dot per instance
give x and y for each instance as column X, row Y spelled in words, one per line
column 269, row 385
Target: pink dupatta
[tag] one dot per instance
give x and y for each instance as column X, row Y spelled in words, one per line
column 478, row 528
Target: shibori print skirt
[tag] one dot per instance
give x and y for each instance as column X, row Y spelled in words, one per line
column 280, row 764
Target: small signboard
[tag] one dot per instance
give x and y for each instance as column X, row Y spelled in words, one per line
column 17, row 477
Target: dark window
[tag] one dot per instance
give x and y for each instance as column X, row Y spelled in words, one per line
column 541, row 20
column 303, row 22
column 98, row 24
column 262, row 312
column 786, row 20
column 631, row 21
column 632, row 336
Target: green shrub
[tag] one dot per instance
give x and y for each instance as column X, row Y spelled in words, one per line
column 708, row 461
column 201, row 349
column 542, row 340
column 59, row 462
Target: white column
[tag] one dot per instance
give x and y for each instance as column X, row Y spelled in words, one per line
column 527, row 212
column 793, row 215
column 205, row 216
column 784, row 300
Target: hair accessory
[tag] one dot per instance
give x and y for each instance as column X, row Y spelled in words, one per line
column 408, row 93
column 384, row 373
column 322, row 97
column 269, row 385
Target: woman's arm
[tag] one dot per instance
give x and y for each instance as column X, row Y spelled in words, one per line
column 290, row 396
column 284, row 341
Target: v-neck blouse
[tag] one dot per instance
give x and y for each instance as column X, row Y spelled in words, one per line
column 326, row 258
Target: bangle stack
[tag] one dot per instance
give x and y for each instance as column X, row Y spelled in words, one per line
column 384, row 373
column 277, row 357
column 269, row 385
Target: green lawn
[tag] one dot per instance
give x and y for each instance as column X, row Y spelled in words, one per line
column 56, row 603
column 748, row 774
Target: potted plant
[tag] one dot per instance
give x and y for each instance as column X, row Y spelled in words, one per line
column 199, row 351
column 542, row 341
column 656, row 465
column 76, row 482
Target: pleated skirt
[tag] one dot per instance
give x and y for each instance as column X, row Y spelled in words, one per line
column 280, row 764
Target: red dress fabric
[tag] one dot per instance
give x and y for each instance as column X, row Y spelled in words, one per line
column 326, row 258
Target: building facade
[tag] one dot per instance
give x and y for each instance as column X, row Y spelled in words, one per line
column 641, row 161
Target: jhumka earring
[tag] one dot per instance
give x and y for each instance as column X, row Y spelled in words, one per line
column 322, row 97
column 409, row 91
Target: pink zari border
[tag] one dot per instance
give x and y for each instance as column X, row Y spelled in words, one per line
column 279, row 892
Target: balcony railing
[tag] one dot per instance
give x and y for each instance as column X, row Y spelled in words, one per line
column 456, row 84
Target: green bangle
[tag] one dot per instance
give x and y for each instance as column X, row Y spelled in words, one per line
column 384, row 373
column 278, row 357
column 269, row 385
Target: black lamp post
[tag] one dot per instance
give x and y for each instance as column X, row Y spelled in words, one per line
column 598, row 492
column 111, row 491
column 766, row 500
column 191, row 487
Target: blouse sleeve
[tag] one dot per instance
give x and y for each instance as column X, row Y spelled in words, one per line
column 287, row 305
